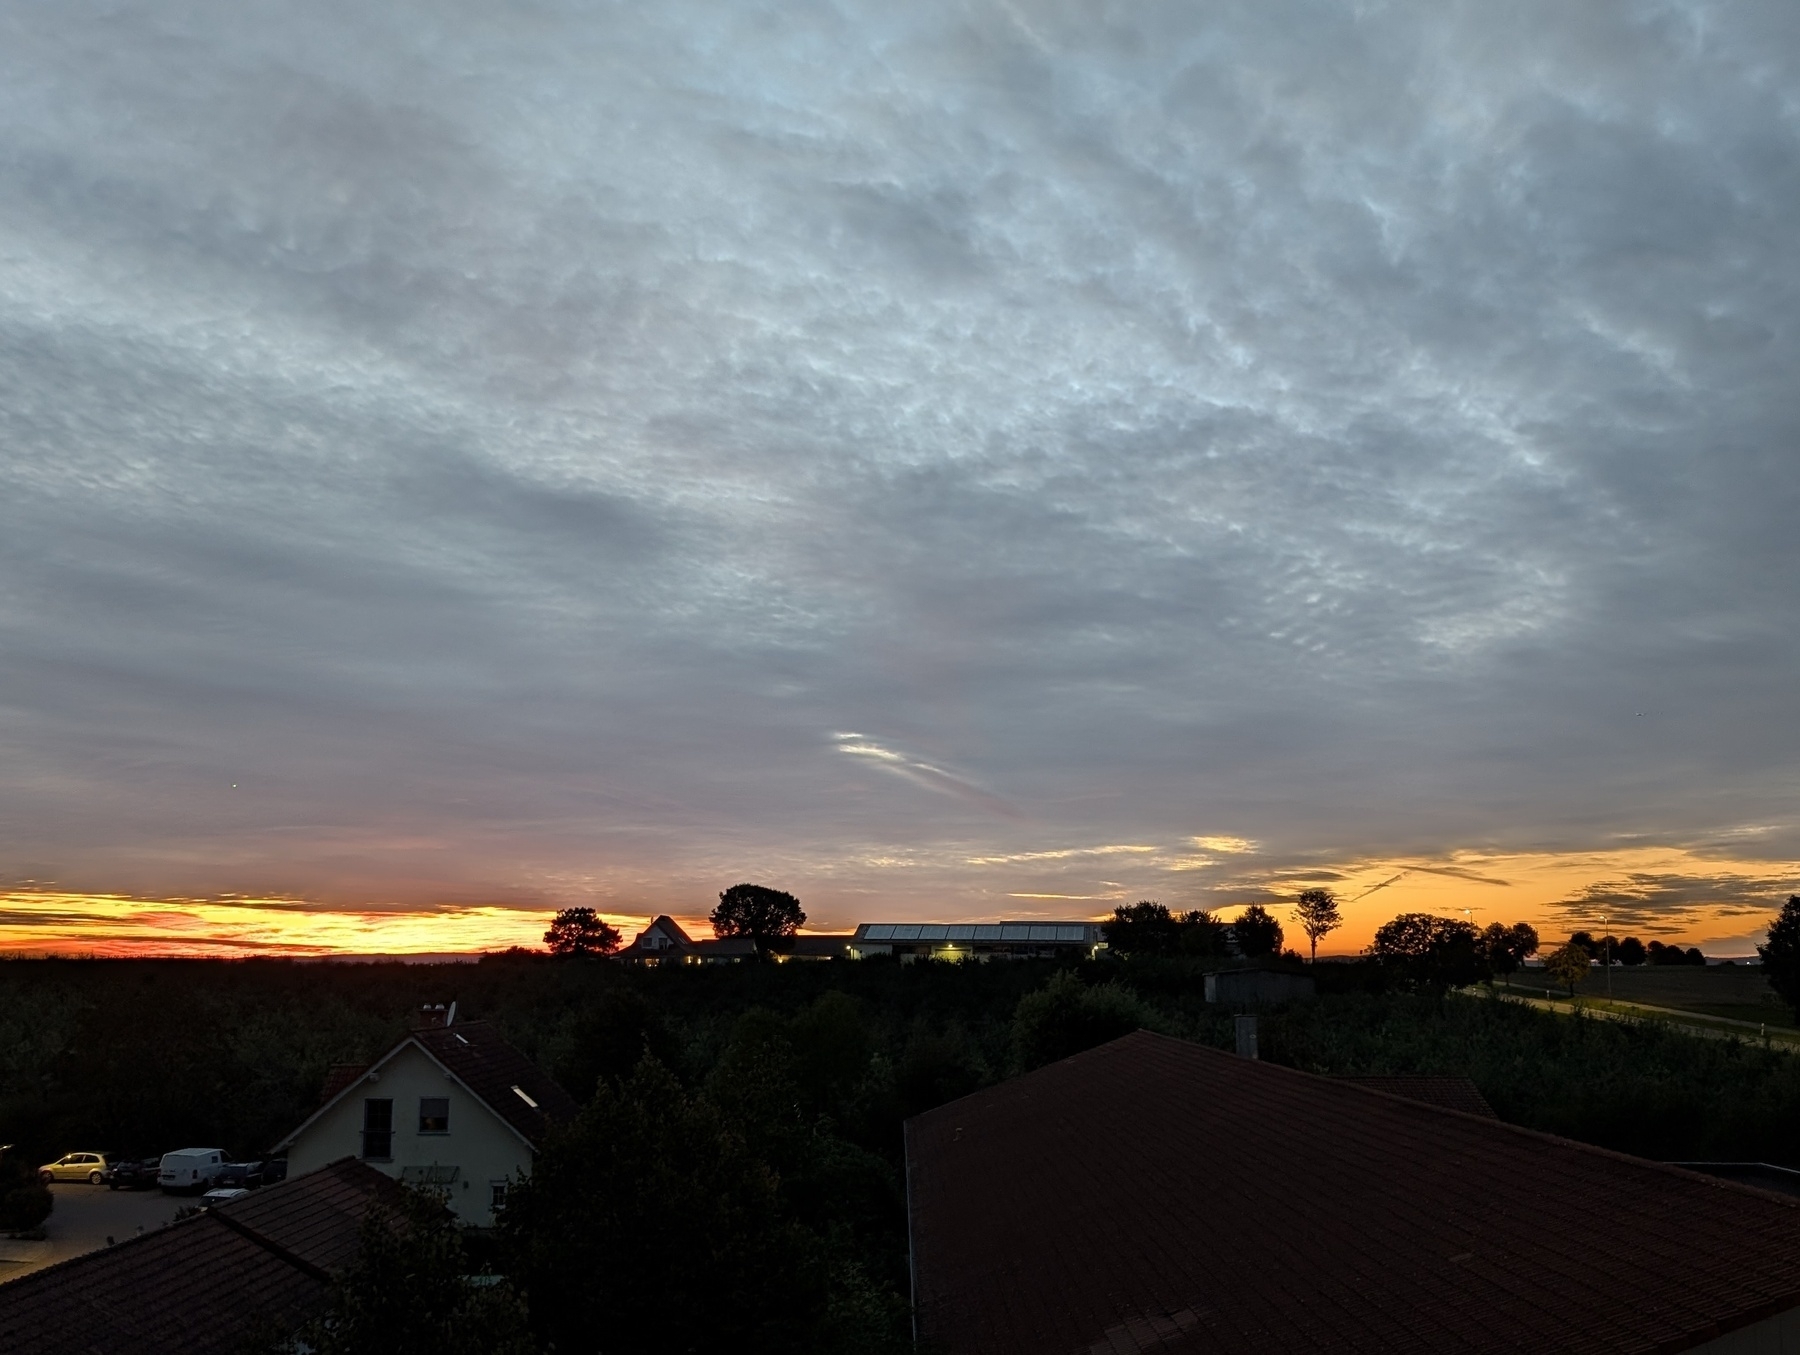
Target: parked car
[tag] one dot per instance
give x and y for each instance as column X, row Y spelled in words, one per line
column 245, row 1175
column 190, row 1170
column 75, row 1167
column 275, row 1169
column 133, row 1173
column 222, row 1196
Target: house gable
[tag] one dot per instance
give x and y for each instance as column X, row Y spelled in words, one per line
column 455, row 1108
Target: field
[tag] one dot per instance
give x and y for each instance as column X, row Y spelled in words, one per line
column 1733, row 992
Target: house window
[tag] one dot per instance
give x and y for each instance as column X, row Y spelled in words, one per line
column 378, row 1130
column 434, row 1114
column 497, row 1199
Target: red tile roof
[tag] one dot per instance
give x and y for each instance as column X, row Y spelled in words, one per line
column 1452, row 1093
column 341, row 1076
column 1157, row 1195
column 207, row 1284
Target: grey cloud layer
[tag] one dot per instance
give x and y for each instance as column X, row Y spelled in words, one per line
column 513, row 443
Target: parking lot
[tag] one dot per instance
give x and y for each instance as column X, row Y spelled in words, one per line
column 85, row 1219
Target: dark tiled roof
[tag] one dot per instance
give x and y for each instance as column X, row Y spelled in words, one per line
column 491, row 1068
column 1156, row 1195
column 316, row 1225
column 734, row 947
column 207, row 1284
column 341, row 1076
column 1452, row 1093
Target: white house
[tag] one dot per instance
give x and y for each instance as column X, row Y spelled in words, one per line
column 451, row 1105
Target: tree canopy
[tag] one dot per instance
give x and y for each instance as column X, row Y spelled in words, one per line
column 1317, row 910
column 763, row 914
column 1781, row 953
column 1257, row 932
column 1568, row 965
column 581, row 931
column 1505, row 948
column 1148, row 928
column 1424, row 951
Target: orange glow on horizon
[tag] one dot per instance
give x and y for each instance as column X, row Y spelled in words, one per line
column 113, row 925
column 1671, row 893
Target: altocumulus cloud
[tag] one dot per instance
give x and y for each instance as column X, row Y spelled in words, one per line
column 483, row 454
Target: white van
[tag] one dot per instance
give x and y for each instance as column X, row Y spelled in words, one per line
column 190, row 1169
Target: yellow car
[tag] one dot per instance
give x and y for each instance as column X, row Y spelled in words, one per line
column 75, row 1167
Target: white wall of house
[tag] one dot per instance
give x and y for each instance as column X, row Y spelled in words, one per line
column 478, row 1143
column 1778, row 1335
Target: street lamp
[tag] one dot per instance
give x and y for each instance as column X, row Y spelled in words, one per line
column 1606, row 942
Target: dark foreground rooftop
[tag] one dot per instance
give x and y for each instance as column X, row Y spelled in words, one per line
column 213, row 1283
column 1154, row 1195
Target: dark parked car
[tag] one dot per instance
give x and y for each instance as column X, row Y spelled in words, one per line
column 132, row 1173
column 239, row 1176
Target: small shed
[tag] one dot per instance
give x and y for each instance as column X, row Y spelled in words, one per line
column 1258, row 987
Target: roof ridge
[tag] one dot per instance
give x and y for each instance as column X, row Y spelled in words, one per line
column 273, row 1247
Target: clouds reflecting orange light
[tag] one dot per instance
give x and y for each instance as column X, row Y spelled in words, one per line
column 114, row 925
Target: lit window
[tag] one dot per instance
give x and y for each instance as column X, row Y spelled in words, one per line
column 434, row 1115
column 521, row 1093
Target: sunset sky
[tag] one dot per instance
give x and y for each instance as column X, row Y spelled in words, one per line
column 948, row 460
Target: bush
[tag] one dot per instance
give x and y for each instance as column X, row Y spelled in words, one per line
column 1065, row 1017
column 25, row 1201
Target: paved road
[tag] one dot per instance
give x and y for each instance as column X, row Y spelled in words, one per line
column 84, row 1218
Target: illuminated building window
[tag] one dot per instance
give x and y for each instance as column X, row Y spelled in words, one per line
column 434, row 1115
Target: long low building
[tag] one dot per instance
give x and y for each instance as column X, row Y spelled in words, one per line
column 976, row 940
column 1152, row 1195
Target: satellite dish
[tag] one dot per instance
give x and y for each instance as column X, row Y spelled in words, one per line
column 450, row 1017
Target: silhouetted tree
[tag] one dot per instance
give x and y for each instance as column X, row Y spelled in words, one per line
column 409, row 1292
column 581, row 931
column 1630, row 951
column 1257, row 932
column 1423, row 951
column 1781, row 954
column 609, row 1039
column 1568, row 965
column 650, row 1226
column 1317, row 910
column 1657, row 953
column 1142, row 928
column 1202, row 936
column 1505, row 948
column 25, row 1201
column 765, row 915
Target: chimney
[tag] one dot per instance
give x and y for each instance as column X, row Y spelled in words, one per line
column 429, row 1017
column 1246, row 1037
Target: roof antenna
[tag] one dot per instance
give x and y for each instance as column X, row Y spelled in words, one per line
column 450, row 1018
